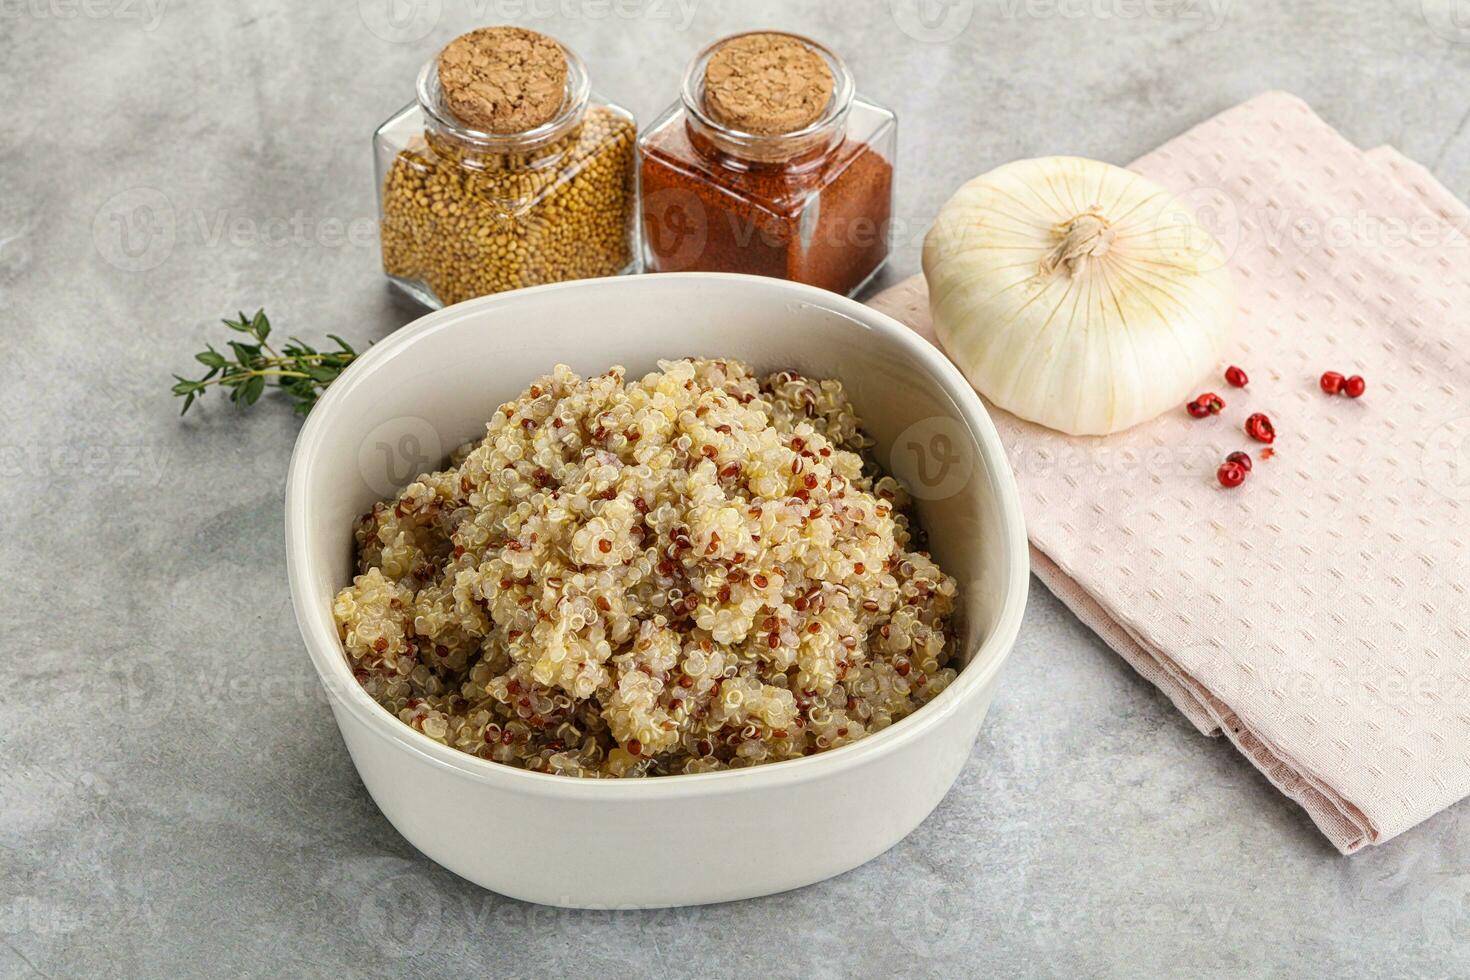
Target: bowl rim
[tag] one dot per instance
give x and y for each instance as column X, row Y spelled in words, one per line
column 319, row 632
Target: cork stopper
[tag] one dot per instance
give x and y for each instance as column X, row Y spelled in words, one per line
column 766, row 84
column 503, row 79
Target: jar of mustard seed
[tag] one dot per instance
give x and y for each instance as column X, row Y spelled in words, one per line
column 506, row 171
column 769, row 164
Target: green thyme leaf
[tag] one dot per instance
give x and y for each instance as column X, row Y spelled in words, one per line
column 299, row 370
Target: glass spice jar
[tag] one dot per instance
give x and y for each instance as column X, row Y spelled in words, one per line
column 506, row 171
column 769, row 164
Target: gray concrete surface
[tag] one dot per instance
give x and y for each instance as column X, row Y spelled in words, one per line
column 174, row 797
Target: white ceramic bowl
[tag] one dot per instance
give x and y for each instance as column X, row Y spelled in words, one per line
column 673, row 840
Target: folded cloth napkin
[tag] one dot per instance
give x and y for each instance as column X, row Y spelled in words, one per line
column 1318, row 616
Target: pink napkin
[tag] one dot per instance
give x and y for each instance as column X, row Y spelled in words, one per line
column 1318, row 616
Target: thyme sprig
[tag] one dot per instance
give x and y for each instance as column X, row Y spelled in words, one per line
column 298, row 369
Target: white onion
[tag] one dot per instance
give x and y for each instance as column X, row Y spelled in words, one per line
column 1077, row 294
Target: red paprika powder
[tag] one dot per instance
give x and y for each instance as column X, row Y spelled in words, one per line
column 769, row 165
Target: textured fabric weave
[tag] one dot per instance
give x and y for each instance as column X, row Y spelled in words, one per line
column 1318, row 616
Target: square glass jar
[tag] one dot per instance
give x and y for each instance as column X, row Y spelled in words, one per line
column 814, row 205
column 464, row 213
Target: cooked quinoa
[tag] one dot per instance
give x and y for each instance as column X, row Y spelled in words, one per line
column 697, row 570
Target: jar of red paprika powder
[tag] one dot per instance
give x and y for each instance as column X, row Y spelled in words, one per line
column 769, row 164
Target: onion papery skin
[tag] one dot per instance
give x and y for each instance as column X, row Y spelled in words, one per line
column 1077, row 294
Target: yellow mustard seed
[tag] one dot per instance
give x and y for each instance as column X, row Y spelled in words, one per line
column 463, row 224
column 506, row 172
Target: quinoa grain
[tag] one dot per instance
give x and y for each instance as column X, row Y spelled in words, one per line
column 595, row 606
